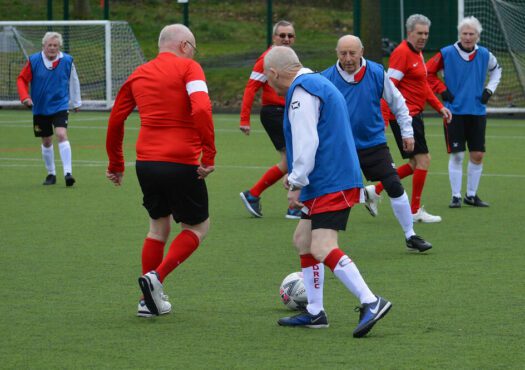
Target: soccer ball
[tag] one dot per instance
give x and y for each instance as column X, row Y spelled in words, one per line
column 292, row 291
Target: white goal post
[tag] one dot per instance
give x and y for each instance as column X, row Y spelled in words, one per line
column 105, row 53
column 504, row 35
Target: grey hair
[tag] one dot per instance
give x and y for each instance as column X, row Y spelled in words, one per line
column 281, row 23
column 416, row 19
column 470, row 22
column 173, row 33
column 52, row 35
column 282, row 58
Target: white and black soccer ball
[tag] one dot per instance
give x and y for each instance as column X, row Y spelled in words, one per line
column 292, row 291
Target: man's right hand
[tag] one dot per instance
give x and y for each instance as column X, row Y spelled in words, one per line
column 115, row 177
column 245, row 129
column 28, row 102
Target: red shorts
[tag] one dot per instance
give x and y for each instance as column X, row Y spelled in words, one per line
column 334, row 201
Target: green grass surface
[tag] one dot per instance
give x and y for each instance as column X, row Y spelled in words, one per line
column 70, row 258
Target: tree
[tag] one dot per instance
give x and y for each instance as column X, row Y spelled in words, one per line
column 371, row 29
column 82, row 9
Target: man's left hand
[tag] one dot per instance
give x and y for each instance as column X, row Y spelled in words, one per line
column 408, row 144
column 204, row 171
column 293, row 199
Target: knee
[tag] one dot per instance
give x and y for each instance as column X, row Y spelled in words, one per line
column 393, row 186
column 201, row 230
column 457, row 158
column 476, row 157
column 47, row 141
column 423, row 161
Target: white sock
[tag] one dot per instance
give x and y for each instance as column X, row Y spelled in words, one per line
column 49, row 159
column 474, row 175
column 403, row 213
column 65, row 154
column 313, row 278
column 455, row 172
column 346, row 271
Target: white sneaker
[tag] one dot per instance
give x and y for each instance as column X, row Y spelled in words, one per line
column 152, row 289
column 371, row 200
column 423, row 216
column 143, row 311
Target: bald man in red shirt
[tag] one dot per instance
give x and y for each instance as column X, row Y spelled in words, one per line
column 407, row 71
column 175, row 152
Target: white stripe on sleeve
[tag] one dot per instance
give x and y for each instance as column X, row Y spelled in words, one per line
column 195, row 86
column 396, row 74
column 258, row 76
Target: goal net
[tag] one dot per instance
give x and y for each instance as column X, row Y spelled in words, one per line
column 504, row 35
column 105, row 53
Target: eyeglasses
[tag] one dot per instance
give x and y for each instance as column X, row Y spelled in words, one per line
column 195, row 51
column 283, row 35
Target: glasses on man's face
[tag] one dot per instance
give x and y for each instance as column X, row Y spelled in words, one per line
column 195, row 51
column 284, row 35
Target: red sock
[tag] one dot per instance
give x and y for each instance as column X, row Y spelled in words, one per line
column 180, row 249
column 307, row 260
column 268, row 179
column 418, row 182
column 403, row 171
column 333, row 257
column 152, row 253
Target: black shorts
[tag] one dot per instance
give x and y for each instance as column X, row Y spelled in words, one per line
column 272, row 120
column 336, row 220
column 465, row 128
column 173, row 188
column 377, row 163
column 43, row 125
column 420, row 143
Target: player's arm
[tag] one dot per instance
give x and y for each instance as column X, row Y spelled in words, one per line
column 74, row 88
column 201, row 113
column 434, row 66
column 494, row 79
column 124, row 104
column 303, row 113
column 255, row 83
column 397, row 105
column 395, row 72
column 22, row 84
column 436, row 104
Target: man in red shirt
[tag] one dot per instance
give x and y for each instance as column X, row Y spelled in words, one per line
column 175, row 152
column 272, row 120
column 408, row 73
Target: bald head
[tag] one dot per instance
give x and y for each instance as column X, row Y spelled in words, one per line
column 174, row 38
column 282, row 59
column 281, row 65
column 349, row 52
column 349, row 41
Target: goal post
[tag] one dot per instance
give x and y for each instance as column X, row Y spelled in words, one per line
column 105, row 53
column 504, row 35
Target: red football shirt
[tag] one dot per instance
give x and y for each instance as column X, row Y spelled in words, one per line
column 408, row 72
column 176, row 122
column 256, row 81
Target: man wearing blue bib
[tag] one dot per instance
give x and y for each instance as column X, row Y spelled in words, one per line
column 54, row 83
column 465, row 65
column 363, row 83
column 324, row 181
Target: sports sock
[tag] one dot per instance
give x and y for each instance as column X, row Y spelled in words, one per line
column 48, row 155
column 418, row 182
column 473, row 176
column 403, row 213
column 455, row 172
column 313, row 278
column 65, row 154
column 403, row 171
column 180, row 249
column 269, row 178
column 346, row 271
column 152, row 253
